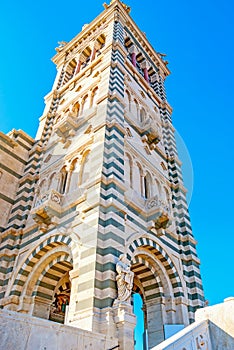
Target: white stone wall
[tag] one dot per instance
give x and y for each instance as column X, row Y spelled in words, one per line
column 23, row 332
column 213, row 330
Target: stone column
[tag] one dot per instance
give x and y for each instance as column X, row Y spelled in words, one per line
column 133, row 52
column 41, row 307
column 125, row 322
column 96, row 46
column 145, row 67
column 155, row 322
column 74, row 278
column 78, row 65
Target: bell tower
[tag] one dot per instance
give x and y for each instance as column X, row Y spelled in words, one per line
column 99, row 211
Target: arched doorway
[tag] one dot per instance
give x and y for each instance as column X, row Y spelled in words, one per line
column 157, row 282
column 51, row 293
column 139, row 332
column 42, row 282
column 147, row 294
column 61, row 300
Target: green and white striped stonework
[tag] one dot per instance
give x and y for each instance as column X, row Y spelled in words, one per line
column 81, row 194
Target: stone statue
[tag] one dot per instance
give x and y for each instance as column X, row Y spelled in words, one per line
column 124, row 279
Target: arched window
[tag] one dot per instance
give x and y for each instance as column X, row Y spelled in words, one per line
column 138, row 308
column 94, row 97
column 156, row 109
column 53, row 183
column 128, row 169
column 136, row 108
column 85, row 168
column 142, row 115
column 63, row 180
column 101, row 40
column 74, row 175
column 138, row 179
column 86, row 56
column 147, row 186
column 128, row 100
column 43, row 186
column 76, row 109
column 167, row 195
column 69, row 72
column 158, row 187
column 85, row 104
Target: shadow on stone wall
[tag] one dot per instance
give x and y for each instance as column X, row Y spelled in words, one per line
column 220, row 340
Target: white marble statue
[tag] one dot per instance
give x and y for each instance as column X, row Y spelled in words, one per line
column 124, row 279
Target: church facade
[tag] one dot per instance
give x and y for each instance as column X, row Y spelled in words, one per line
column 94, row 208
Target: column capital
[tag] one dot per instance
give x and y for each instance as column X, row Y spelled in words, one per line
column 133, row 49
column 145, row 64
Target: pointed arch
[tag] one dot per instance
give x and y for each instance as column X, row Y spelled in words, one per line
column 128, row 100
column 129, row 169
column 43, row 185
column 147, row 185
column 74, row 169
column 142, row 115
column 85, row 103
column 50, row 247
column 53, row 182
column 85, row 57
column 85, row 167
column 63, row 180
column 158, row 187
column 138, row 178
column 94, row 95
column 76, row 109
column 162, row 256
column 135, row 108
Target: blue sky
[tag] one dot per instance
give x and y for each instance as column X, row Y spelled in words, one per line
column 198, row 40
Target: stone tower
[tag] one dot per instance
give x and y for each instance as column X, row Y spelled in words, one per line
column 101, row 179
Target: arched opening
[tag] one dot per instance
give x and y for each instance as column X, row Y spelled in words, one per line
column 61, row 296
column 139, row 332
column 74, row 175
column 70, row 70
column 76, row 109
column 94, row 95
column 52, row 183
column 142, row 115
column 101, row 41
column 43, row 186
column 85, row 104
column 147, row 186
column 136, row 109
column 158, row 282
column 47, row 268
column 85, row 168
column 51, row 292
column 128, row 100
column 128, row 169
column 137, row 179
column 63, row 180
column 147, row 294
column 85, row 55
column 158, row 187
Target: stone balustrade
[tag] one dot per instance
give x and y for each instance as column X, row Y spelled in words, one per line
column 65, row 125
column 150, row 132
column 158, row 213
column 47, row 207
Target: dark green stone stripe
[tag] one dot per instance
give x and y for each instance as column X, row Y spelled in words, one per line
column 9, row 153
column 10, row 171
column 6, row 199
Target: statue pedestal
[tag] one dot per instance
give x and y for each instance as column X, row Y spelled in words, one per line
column 125, row 322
